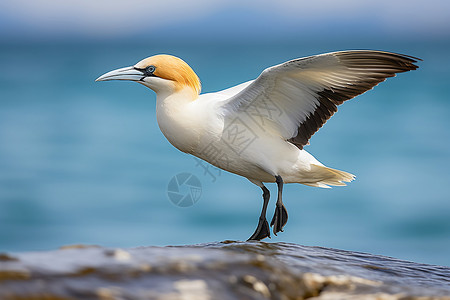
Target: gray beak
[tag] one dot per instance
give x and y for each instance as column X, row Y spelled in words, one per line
column 127, row 73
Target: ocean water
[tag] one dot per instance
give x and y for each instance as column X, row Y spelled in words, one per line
column 85, row 163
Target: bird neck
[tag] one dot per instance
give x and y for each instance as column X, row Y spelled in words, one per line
column 177, row 95
column 176, row 118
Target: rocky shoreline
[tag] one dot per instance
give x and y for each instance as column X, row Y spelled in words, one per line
column 221, row 270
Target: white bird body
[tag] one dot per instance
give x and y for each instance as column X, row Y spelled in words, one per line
column 258, row 129
column 197, row 128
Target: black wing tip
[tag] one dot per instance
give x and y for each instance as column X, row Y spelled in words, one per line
column 329, row 99
column 412, row 60
column 407, row 62
column 382, row 52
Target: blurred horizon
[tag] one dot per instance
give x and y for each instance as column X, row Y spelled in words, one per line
column 201, row 20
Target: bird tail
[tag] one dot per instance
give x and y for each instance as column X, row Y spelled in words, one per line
column 327, row 176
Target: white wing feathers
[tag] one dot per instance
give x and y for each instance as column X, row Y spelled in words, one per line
column 296, row 98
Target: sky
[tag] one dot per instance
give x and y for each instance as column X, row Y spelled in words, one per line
column 222, row 19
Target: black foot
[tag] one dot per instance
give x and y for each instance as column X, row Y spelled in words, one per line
column 279, row 219
column 262, row 231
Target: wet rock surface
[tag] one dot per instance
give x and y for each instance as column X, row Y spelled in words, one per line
column 223, row 270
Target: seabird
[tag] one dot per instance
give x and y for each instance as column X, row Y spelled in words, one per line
column 258, row 129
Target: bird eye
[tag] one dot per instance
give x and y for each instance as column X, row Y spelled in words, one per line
column 149, row 70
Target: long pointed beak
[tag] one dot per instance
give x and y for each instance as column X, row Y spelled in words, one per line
column 127, row 73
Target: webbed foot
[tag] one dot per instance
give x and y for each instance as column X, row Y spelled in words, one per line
column 279, row 219
column 262, row 231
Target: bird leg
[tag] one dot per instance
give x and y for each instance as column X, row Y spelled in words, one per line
column 280, row 216
column 263, row 229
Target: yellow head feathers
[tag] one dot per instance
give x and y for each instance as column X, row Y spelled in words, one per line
column 172, row 68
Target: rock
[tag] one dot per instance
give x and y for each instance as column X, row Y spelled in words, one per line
column 224, row 270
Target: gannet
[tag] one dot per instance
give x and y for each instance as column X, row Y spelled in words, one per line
column 258, row 129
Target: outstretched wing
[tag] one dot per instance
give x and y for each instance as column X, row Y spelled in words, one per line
column 296, row 98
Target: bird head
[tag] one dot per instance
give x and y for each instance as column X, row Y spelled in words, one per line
column 161, row 73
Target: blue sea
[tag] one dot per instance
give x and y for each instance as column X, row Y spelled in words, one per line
column 84, row 162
